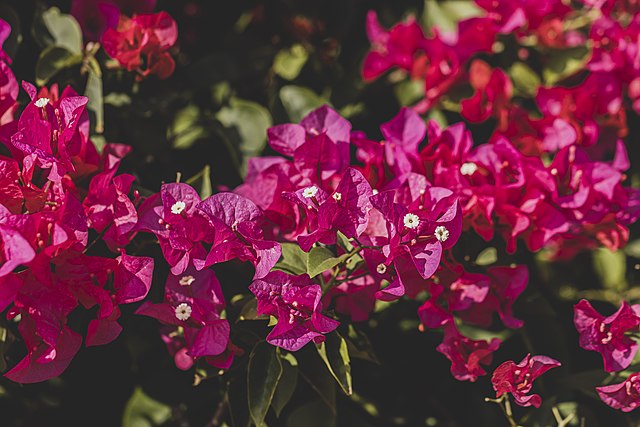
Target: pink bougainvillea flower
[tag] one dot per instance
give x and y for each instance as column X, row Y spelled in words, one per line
column 43, row 309
column 466, row 355
column 172, row 216
column 346, row 210
column 507, row 283
column 237, row 233
column 140, row 44
column 606, row 335
column 96, row 16
column 194, row 302
column 295, row 301
column 624, row 396
column 517, row 379
column 393, row 48
column 493, row 91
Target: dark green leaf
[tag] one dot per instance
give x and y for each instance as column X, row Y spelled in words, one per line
column 320, row 260
column 335, row 354
column 563, row 63
column 312, row 414
column 52, row 60
column 143, row 411
column 294, row 259
column 287, row 384
column 93, row 91
column 263, row 374
column 359, row 345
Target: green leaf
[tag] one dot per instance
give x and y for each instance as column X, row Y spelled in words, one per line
column 563, row 63
column 438, row 116
column 202, row 182
column 312, row 414
column 299, row 101
column 446, row 14
column 611, row 267
column 488, row 256
column 294, row 259
column 52, row 60
column 525, row 80
column 320, row 260
column 263, row 374
column 289, row 62
column 335, row 354
column 143, row 411
column 409, row 91
column 287, row 384
column 633, row 249
column 359, row 346
column 64, row 30
column 250, row 121
column 186, row 128
column 93, row 91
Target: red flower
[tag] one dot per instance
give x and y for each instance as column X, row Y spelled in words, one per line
column 518, row 379
column 141, row 44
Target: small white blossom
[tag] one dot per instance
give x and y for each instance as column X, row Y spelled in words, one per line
column 411, row 220
column 187, row 280
column 183, row 311
column 310, row 192
column 42, row 102
column 468, row 168
column 381, row 268
column 337, row 196
column 441, row 233
column 178, row 207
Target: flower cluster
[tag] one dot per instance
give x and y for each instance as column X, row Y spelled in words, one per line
column 131, row 34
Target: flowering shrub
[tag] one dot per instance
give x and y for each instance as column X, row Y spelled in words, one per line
column 425, row 239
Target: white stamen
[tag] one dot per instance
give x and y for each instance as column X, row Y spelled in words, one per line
column 411, row 220
column 381, row 268
column 310, row 192
column 183, row 311
column 178, row 207
column 374, row 191
column 441, row 233
column 42, row 102
column 187, row 280
column 337, row 196
column 468, row 168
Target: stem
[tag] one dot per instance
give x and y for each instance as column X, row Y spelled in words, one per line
column 562, row 422
column 505, row 405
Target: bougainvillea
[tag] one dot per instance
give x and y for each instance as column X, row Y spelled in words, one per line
column 447, row 218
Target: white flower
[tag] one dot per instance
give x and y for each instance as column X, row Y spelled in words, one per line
column 337, row 196
column 468, row 168
column 183, row 311
column 187, row 280
column 178, row 207
column 441, row 233
column 310, row 192
column 381, row 268
column 411, row 220
column 42, row 102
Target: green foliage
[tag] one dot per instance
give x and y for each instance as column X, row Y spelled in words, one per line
column 288, row 382
column 289, row 62
column 299, row 101
column 143, row 411
column 564, row 63
column 264, row 372
column 335, row 354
